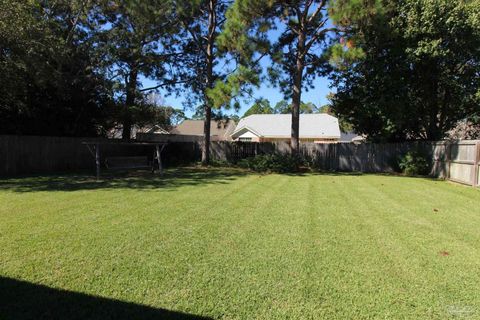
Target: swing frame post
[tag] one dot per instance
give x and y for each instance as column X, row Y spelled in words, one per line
column 95, row 150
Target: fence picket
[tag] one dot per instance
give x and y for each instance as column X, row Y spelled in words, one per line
column 458, row 161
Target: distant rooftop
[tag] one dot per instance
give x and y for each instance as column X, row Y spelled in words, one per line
column 222, row 129
column 279, row 125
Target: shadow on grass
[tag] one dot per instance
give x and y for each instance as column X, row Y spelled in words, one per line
column 321, row 173
column 144, row 180
column 22, row 300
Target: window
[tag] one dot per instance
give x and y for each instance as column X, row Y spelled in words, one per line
column 245, row 139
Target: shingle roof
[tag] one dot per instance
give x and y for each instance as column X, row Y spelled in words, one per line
column 279, row 125
column 221, row 128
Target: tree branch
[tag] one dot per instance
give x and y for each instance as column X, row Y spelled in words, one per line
column 317, row 11
column 318, row 34
column 194, row 37
column 167, row 83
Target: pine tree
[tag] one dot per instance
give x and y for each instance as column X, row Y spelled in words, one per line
column 301, row 50
column 213, row 75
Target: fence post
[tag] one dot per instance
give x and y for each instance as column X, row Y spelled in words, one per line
column 476, row 164
column 97, row 160
column 448, row 159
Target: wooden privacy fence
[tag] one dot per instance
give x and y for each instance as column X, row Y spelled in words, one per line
column 463, row 162
column 20, row 155
column 33, row 154
column 459, row 161
column 365, row 157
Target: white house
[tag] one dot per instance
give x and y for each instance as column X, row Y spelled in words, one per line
column 318, row 128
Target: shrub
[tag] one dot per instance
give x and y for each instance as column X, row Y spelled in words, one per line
column 413, row 163
column 276, row 162
column 219, row 163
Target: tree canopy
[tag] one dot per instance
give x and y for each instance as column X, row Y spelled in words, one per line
column 49, row 82
column 420, row 73
column 300, row 51
column 132, row 37
column 262, row 106
column 212, row 75
column 400, row 70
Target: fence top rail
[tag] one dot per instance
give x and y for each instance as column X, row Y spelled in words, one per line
column 441, row 142
column 460, row 142
column 124, row 143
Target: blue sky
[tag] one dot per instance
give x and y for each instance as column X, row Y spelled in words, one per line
column 317, row 95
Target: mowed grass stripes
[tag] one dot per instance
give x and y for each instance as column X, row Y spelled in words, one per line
column 227, row 244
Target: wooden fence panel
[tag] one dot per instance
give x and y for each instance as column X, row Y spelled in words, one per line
column 477, row 165
column 459, row 161
column 322, row 156
column 455, row 161
column 462, row 162
column 32, row 154
column 21, row 155
column 439, row 160
column 181, row 153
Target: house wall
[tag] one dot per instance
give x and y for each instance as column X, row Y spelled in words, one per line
column 248, row 135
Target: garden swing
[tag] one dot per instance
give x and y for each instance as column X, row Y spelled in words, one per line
column 127, row 162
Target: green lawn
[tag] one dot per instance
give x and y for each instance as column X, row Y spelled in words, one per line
column 231, row 245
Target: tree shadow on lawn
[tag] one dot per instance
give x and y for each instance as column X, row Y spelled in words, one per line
column 21, row 300
column 143, row 180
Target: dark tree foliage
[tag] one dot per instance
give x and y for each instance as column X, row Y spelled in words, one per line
column 74, row 67
column 283, row 107
column 134, row 38
column 261, row 106
column 151, row 110
column 420, row 73
column 48, row 82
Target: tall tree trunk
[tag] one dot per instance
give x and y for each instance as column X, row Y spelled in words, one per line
column 433, row 130
column 129, row 103
column 212, row 25
column 206, row 136
column 297, row 93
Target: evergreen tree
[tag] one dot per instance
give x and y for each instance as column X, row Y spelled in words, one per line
column 136, row 38
column 212, row 75
column 420, row 73
column 299, row 52
column 261, row 106
column 49, row 83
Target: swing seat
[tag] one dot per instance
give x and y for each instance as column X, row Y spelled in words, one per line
column 128, row 163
